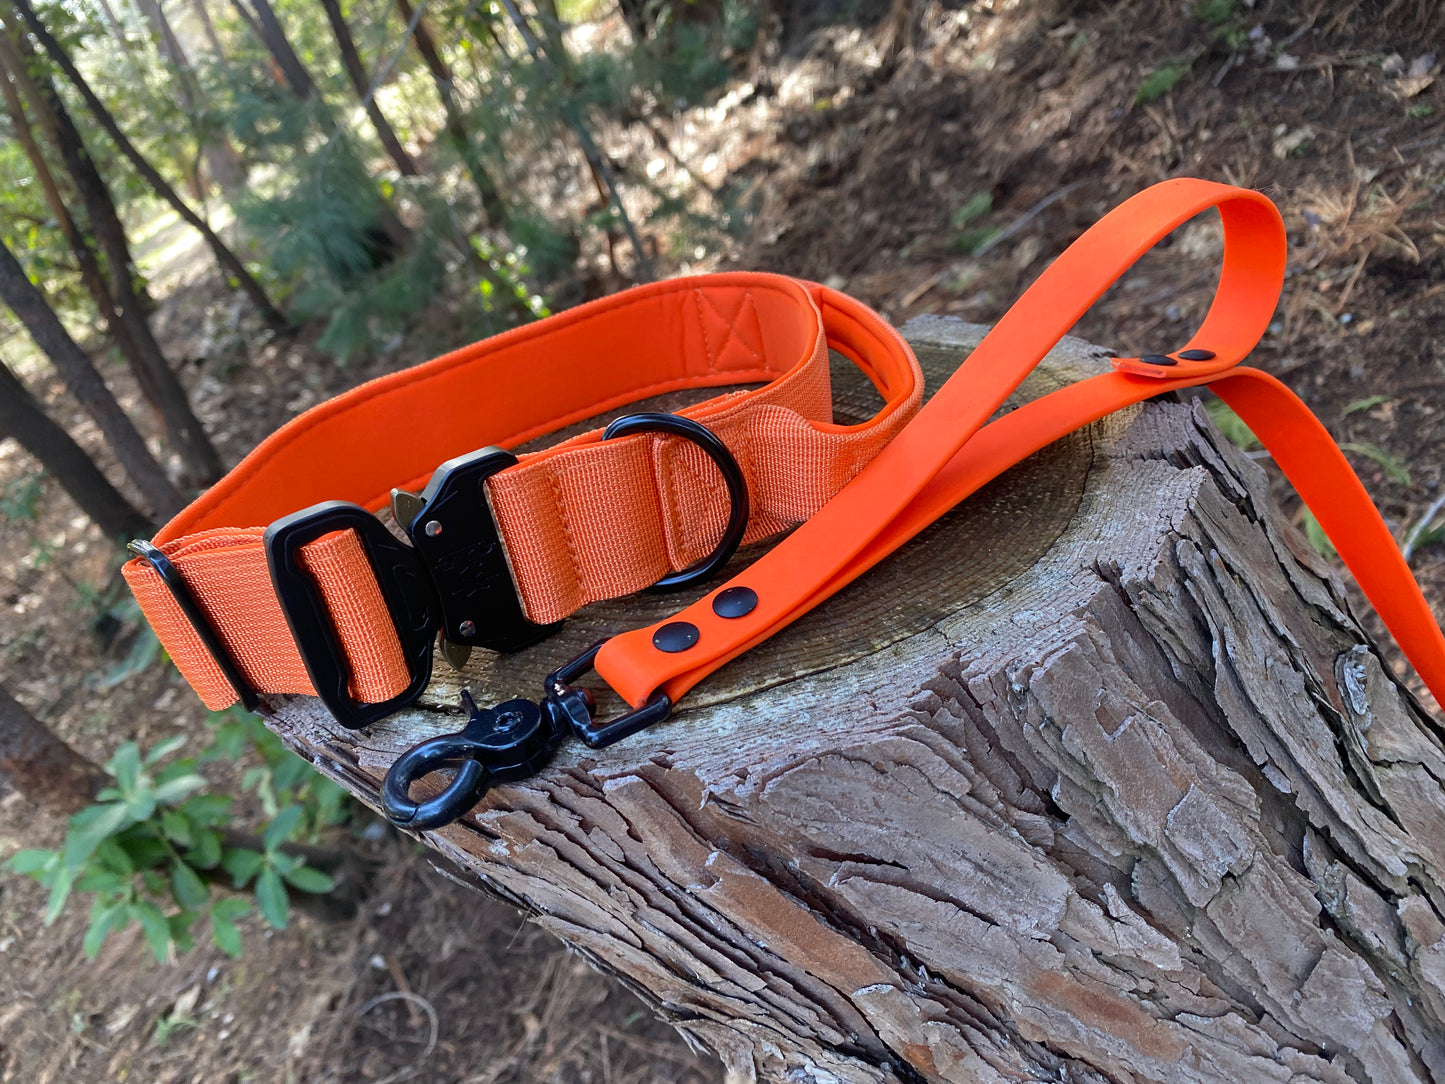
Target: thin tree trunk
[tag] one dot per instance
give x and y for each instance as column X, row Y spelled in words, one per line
column 232, row 266
column 351, row 61
column 488, row 192
column 89, row 263
column 157, row 382
column 41, row 766
column 264, row 22
column 23, row 418
column 17, row 291
column 199, row 6
column 595, row 160
column 221, row 158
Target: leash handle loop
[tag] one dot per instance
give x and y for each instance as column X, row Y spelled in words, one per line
column 947, row 452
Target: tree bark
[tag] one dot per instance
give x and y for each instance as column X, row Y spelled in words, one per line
column 41, row 766
column 158, row 382
column 262, row 19
column 1098, row 780
column 75, row 368
column 221, row 158
column 351, row 61
column 24, row 419
column 230, row 265
column 488, row 192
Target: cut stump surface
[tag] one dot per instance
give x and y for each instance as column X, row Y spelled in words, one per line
column 1097, row 780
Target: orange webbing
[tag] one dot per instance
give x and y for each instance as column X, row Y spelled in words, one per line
column 580, row 521
column 944, row 455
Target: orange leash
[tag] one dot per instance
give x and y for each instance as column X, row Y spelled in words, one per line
column 946, row 453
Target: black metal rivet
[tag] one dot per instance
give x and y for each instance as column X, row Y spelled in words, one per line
column 675, row 636
column 735, row 602
column 1196, row 355
column 1157, row 359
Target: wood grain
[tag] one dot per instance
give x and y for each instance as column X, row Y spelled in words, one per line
column 1098, row 780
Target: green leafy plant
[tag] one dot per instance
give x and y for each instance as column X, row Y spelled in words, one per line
column 157, row 849
column 1231, row 425
column 1161, row 81
column 1394, row 469
column 970, row 237
column 20, row 498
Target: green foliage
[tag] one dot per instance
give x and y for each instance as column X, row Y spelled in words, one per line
column 158, row 849
column 1231, row 425
column 968, row 236
column 1368, row 403
column 1316, row 534
column 1161, row 81
column 1394, row 469
column 20, row 498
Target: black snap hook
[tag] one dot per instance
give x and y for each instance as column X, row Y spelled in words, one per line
column 717, row 451
column 510, row 741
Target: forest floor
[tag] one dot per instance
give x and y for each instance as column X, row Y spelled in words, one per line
column 932, row 167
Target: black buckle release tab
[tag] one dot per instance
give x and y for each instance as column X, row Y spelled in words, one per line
column 459, row 544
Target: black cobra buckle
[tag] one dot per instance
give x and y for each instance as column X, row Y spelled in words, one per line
column 454, row 577
column 511, row 741
column 517, row 738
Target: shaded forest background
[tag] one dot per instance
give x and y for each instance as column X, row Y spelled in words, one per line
column 218, row 213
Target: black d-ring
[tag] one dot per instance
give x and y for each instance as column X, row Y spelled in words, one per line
column 718, row 452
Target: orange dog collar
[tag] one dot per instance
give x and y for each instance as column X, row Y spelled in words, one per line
column 946, row 453
column 327, row 601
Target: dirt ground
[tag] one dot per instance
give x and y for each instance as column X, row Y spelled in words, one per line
column 928, row 164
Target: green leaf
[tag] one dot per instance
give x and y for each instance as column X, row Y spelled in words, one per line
column 190, row 891
column 1393, row 468
column 59, row 892
column 978, row 205
column 177, row 827
column 232, row 907
column 82, row 838
column 175, row 789
column 206, row 854
column 242, row 864
column 225, row 934
column 31, row 861
column 125, row 766
column 1160, row 82
column 99, row 879
column 164, row 749
column 206, row 809
column 1365, row 404
column 281, row 827
column 153, row 922
column 309, row 880
column 1316, row 534
column 180, row 925
column 271, row 898
column 1231, row 425
column 103, row 918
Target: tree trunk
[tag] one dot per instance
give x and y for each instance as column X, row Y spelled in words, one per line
column 232, row 267
column 1097, row 780
column 86, row 259
column 199, row 7
column 41, row 766
column 24, row 419
column 351, row 61
column 221, row 158
column 75, row 368
column 266, row 26
column 157, row 381
column 488, row 192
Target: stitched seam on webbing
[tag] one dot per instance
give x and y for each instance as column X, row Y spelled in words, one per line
column 732, row 331
column 702, row 327
column 638, row 393
column 566, row 525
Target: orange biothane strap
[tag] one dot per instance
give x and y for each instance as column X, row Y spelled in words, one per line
column 944, row 455
column 580, row 521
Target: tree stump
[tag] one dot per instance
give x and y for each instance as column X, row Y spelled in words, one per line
column 1097, row 780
